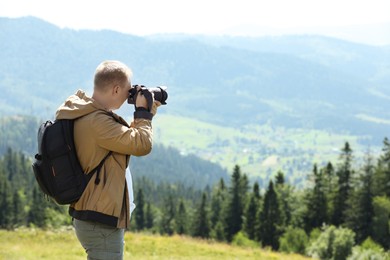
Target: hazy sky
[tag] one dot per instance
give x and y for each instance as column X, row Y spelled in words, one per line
column 358, row 20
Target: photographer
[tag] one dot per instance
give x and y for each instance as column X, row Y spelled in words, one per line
column 102, row 214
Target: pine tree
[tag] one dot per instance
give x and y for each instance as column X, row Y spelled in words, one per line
column 330, row 185
column 167, row 224
column 181, row 219
column 217, row 202
column 380, row 221
column 3, row 184
column 268, row 231
column 201, row 224
column 139, row 211
column 344, row 174
column 283, row 191
column 218, row 231
column 235, row 205
column 244, row 187
column 10, row 164
column 251, row 211
column 279, row 179
column 381, row 180
column 316, row 214
column 360, row 210
column 19, row 213
column 6, row 203
column 149, row 218
column 37, row 213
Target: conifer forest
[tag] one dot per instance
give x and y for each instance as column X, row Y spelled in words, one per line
column 342, row 211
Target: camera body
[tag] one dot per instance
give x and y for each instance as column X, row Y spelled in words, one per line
column 160, row 94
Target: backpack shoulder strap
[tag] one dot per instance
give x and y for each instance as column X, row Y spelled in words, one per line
column 100, row 165
column 97, row 169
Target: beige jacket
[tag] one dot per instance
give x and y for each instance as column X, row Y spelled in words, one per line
column 95, row 134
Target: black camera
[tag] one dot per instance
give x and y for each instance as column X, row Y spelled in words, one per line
column 160, row 94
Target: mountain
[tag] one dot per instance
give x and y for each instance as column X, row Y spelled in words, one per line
column 287, row 87
column 292, row 81
column 319, row 81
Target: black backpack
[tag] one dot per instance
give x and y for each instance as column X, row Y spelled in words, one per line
column 56, row 166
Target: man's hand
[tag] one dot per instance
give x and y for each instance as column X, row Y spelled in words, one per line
column 156, row 104
column 145, row 102
column 146, row 95
column 141, row 101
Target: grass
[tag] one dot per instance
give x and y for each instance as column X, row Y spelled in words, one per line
column 62, row 244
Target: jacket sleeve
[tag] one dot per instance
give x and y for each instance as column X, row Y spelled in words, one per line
column 134, row 140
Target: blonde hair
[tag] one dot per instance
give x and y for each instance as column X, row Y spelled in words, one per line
column 109, row 73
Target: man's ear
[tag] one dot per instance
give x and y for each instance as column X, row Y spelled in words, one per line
column 115, row 89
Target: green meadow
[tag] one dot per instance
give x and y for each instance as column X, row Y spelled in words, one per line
column 260, row 150
column 62, row 244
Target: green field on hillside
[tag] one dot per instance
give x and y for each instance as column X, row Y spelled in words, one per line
column 62, row 244
column 260, row 151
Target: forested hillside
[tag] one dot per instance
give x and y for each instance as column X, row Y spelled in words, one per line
column 167, row 165
column 19, row 133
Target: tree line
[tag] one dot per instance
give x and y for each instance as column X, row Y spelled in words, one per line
column 343, row 211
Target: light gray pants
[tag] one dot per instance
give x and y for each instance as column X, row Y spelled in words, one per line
column 100, row 241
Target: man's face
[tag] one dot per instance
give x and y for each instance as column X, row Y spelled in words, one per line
column 120, row 94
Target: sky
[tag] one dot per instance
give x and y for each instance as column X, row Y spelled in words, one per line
column 366, row 21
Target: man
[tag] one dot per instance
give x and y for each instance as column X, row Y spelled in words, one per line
column 102, row 213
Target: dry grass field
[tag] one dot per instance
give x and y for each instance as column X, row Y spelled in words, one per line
column 62, row 244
